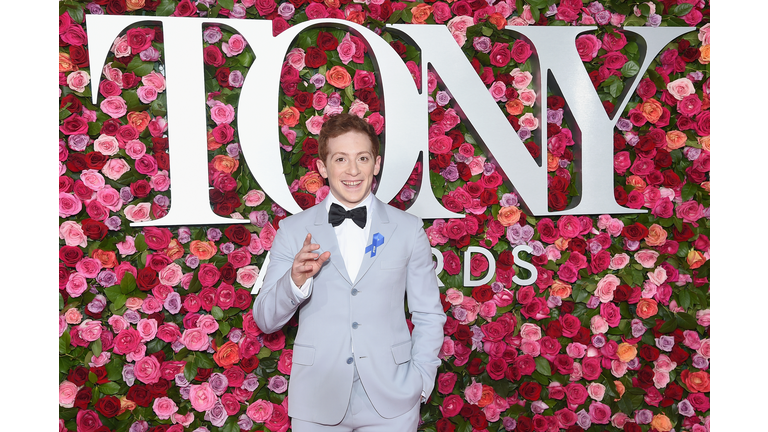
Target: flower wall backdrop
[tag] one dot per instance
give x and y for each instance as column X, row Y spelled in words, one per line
column 155, row 325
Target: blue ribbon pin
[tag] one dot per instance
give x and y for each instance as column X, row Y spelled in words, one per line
column 378, row 240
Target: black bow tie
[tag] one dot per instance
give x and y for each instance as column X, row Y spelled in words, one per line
column 337, row 215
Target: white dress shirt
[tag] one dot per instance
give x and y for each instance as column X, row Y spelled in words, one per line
column 352, row 242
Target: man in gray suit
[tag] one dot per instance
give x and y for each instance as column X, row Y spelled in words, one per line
column 347, row 265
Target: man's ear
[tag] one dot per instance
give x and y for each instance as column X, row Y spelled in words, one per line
column 321, row 168
column 377, row 166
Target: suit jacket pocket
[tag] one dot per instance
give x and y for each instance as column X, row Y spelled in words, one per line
column 401, row 352
column 393, row 264
column 303, row 354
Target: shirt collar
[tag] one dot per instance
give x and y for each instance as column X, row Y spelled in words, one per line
column 365, row 202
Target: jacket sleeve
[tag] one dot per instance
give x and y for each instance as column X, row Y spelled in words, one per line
column 277, row 301
column 427, row 316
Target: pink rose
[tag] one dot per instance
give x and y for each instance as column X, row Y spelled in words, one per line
column 599, row 413
column 575, row 394
column 115, row 168
column 78, row 80
column 587, row 46
column 246, row 276
column 234, row 46
column 114, row 106
column 195, row 339
column 208, row 324
column 473, row 392
column 138, row 212
column 69, row 205
column 146, row 94
column 222, row 113
column 164, row 407
column 606, row 287
column 147, row 370
column 647, row 258
column 67, row 394
column 520, row 79
column 346, row 49
column 259, row 411
column 453, row 404
column 202, row 397
column 680, row 88
column 314, row 124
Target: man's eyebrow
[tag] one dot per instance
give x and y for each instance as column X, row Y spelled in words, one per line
column 347, row 154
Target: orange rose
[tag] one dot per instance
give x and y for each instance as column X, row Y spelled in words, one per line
column 675, row 139
column 338, row 77
column 498, row 20
column 636, row 182
column 553, row 162
column 126, row 404
column 651, row 110
column 289, row 116
column 560, row 289
column 311, row 181
column 212, row 143
column 357, row 17
column 514, row 107
column 420, row 13
column 487, row 396
column 562, row 243
column 626, row 352
column 203, row 250
column 661, row 423
column 657, row 235
column 175, row 250
column 704, row 142
column 139, row 120
column 696, row 381
column 227, row 355
column 224, row 163
column 334, row 4
column 65, row 63
column 509, row 216
column 695, row 259
column 704, row 57
column 647, row 308
column 132, row 5
column 705, row 186
column 106, row 258
column 619, row 388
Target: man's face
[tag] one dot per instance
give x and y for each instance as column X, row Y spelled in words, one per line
column 350, row 167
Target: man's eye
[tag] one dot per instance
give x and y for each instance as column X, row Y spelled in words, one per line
column 364, row 158
column 340, row 160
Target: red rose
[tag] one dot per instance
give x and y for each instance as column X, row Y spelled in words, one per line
column 533, row 149
column 212, row 55
column 139, row 394
column 399, row 48
column 94, row 229
column 557, row 200
column 249, row 364
column 146, row 279
column 203, row 374
column 478, row 421
column 500, row 54
column 521, row 51
column 140, row 188
column 635, row 232
column 496, row 368
column 315, row 57
column 70, row 255
column 116, row 7
column 222, row 76
column 74, row 103
column 238, row 234
column 108, row 406
column 475, row 366
column 531, row 391
column 74, row 125
column 83, row 398
column 524, row 424
column 310, row 146
column 482, row 293
column 600, row 262
column 326, row 41
column 223, row 133
column 207, row 298
column 369, row 97
column 160, row 388
column 185, row 8
column 302, row 100
column 130, row 80
column 445, row 425
column 96, row 160
column 678, row 355
column 645, row 377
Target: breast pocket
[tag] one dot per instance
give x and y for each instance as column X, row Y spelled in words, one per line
column 303, row 355
column 393, row 264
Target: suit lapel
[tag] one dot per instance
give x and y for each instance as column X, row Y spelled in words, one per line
column 324, row 235
column 379, row 224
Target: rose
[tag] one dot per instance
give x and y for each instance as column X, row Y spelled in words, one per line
column 88, row 421
column 338, row 77
column 530, row 391
column 259, row 411
column 587, row 46
column 202, row 397
column 164, row 407
column 451, row 406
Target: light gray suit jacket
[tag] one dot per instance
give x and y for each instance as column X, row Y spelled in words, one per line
column 344, row 324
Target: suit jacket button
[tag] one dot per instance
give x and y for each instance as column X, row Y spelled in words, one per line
column 350, row 360
column 355, row 325
column 354, row 291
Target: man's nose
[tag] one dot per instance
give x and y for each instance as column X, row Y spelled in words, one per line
column 353, row 168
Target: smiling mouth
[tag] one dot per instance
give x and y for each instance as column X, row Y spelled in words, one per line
column 352, row 183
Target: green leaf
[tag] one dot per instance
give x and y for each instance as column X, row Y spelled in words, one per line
column 64, row 342
column 686, row 321
column 688, row 190
column 227, row 4
column 204, row 361
column 680, row 9
column 96, row 347
column 217, row 313
column 630, row 69
column 190, row 371
column 109, row 388
column 115, row 368
column 487, row 31
column 140, row 243
column 140, row 67
column 542, row 366
column 128, row 284
column 76, row 12
column 684, row 298
column 165, row 8
column 263, row 353
column 668, row 326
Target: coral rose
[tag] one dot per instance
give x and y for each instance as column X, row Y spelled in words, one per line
column 338, row 77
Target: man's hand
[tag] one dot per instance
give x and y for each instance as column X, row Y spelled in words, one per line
column 307, row 263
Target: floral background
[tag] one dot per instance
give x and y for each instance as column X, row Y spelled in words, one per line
column 155, row 328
